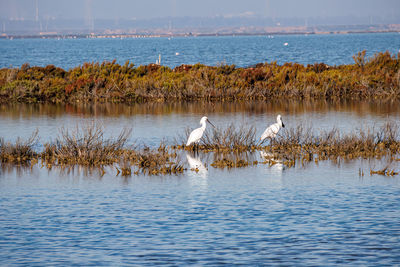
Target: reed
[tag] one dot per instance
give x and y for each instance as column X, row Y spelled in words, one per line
column 233, row 159
column 85, row 146
column 19, row 153
column 154, row 161
column 231, row 138
column 300, row 144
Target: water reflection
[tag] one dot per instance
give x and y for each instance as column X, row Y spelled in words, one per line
column 18, row 170
column 275, row 166
column 196, row 165
column 277, row 169
column 18, row 110
column 198, row 173
column 166, row 121
column 81, row 171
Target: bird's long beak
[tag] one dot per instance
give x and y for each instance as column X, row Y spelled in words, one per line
column 210, row 123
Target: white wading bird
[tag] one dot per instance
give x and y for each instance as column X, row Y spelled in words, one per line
column 196, row 134
column 273, row 129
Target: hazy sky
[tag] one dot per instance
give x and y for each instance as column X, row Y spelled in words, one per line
column 129, row 9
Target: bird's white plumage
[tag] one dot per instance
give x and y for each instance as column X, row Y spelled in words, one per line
column 196, row 134
column 273, row 129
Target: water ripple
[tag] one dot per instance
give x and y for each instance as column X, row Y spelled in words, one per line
column 153, row 222
column 240, row 50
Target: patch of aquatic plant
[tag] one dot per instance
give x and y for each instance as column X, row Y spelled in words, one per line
column 155, row 161
column 385, row 172
column 302, row 144
column 20, row 152
column 367, row 78
column 233, row 160
column 85, row 146
column 231, row 138
column 230, row 148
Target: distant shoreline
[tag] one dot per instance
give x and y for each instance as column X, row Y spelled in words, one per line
column 51, row 35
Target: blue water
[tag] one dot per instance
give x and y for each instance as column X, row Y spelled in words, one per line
column 321, row 214
column 316, row 216
column 240, row 50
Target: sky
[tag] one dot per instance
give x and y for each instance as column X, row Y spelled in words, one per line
column 142, row 9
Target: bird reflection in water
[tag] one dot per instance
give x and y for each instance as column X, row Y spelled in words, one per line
column 196, row 166
column 276, row 166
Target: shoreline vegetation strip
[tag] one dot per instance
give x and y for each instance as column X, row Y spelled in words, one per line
column 377, row 77
column 230, row 148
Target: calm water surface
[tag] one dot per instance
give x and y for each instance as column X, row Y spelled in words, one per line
column 256, row 216
column 152, row 123
column 242, row 51
column 321, row 215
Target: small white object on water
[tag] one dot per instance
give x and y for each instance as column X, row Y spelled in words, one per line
column 177, row 54
column 286, row 44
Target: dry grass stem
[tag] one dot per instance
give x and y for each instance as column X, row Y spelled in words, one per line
column 19, row 153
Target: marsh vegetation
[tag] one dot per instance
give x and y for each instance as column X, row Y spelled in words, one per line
column 232, row 147
column 20, row 152
column 377, row 77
